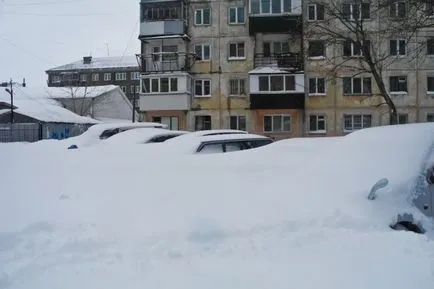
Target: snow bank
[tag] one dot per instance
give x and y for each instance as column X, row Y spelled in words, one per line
column 104, row 217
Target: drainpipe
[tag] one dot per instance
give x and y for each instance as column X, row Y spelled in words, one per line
column 417, row 81
column 219, row 69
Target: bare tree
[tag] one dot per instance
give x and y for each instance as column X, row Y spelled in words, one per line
column 363, row 30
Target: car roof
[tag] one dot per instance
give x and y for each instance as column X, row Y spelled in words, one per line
column 140, row 135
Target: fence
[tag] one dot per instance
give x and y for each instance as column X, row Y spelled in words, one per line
column 32, row 132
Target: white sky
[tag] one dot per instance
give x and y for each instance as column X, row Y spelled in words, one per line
column 36, row 35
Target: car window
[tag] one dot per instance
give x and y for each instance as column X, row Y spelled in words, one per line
column 211, row 149
column 161, row 138
column 260, row 142
column 234, row 146
column 108, row 133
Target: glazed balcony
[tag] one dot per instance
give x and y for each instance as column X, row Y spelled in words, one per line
column 165, row 62
column 284, row 61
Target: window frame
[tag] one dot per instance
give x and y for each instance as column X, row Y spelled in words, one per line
column 352, row 5
column 362, row 86
column 396, row 10
column 316, row 78
column 149, row 80
column 315, row 12
column 236, row 8
column 237, row 44
column 240, row 92
column 107, row 76
column 284, row 81
column 352, row 115
column 135, row 75
column 430, row 79
column 120, row 76
column 398, row 47
column 202, row 51
column 201, row 10
column 282, row 123
column 237, row 120
column 322, row 42
column 430, row 46
column 205, row 121
column 95, row 77
column 270, row 8
column 317, row 120
column 398, row 91
column 202, row 81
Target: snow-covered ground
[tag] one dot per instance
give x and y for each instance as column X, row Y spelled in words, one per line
column 293, row 214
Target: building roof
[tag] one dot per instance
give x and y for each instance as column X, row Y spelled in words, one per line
column 79, row 92
column 100, row 63
column 45, row 110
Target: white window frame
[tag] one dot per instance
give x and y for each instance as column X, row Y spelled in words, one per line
column 271, row 9
column 283, row 116
column 95, row 77
column 398, row 91
column 362, row 85
column 238, row 117
column 396, row 4
column 107, row 76
column 55, row 79
column 353, row 53
column 241, row 84
column 203, row 81
column 316, row 86
column 360, row 10
column 83, row 77
column 201, row 10
column 135, row 75
column 363, row 115
column 317, row 56
column 315, row 16
column 236, row 15
column 284, row 83
column 237, row 57
column 402, row 115
column 398, row 47
column 159, row 85
column 319, row 118
column 120, row 76
column 202, row 51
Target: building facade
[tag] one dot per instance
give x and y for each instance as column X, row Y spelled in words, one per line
column 256, row 65
column 90, row 71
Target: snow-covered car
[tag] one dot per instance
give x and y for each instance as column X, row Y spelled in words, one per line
column 217, row 143
column 99, row 132
column 143, row 136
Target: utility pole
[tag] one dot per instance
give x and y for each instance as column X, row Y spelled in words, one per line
column 10, row 90
column 134, row 105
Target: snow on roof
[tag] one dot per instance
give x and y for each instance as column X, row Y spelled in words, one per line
column 100, row 63
column 79, row 92
column 139, row 136
column 268, row 70
column 46, row 110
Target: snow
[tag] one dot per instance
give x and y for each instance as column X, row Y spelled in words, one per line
column 293, row 214
column 79, row 92
column 101, row 63
column 139, row 136
column 45, row 109
column 268, row 70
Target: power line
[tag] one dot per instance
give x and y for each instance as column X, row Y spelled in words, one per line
column 66, row 15
column 25, row 51
column 43, row 3
column 131, row 38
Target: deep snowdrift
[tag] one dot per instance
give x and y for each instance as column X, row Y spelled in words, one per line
column 291, row 214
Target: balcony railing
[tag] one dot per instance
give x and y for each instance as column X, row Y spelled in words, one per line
column 288, row 61
column 166, row 62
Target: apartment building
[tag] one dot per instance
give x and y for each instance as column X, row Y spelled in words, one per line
column 256, row 65
column 342, row 98
column 99, row 71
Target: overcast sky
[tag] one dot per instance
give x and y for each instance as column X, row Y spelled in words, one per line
column 36, row 35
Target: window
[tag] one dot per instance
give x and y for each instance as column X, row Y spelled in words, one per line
column 317, row 85
column 275, row 48
column 315, row 12
column 356, row 11
column 121, row 76
column 203, row 51
column 238, row 122
column 202, row 87
column 429, row 7
column 402, row 118
column 357, row 85
column 55, row 78
column 158, row 85
column 107, row 76
column 398, row 9
column 95, row 77
column 237, row 87
column 172, row 122
column 430, row 117
column 83, row 77
column 316, row 48
column 271, row 6
column 430, row 46
column 357, row 121
column 135, row 75
column 236, row 51
column 202, row 122
column 397, row 47
column 160, row 13
column 202, row 16
column 137, row 89
column 124, row 89
column 317, row 124
column 277, row 83
column 236, row 15
column 398, row 84
column 430, row 84
column 132, row 89
column 277, row 123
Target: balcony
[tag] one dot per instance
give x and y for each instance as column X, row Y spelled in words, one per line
column 285, row 61
column 169, row 92
column 277, row 101
column 163, row 18
column 165, row 62
column 275, row 16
